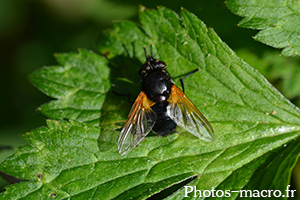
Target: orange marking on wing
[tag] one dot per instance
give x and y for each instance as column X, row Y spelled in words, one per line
column 177, row 95
column 142, row 102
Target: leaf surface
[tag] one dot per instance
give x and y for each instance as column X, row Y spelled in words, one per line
column 79, row 86
column 279, row 22
column 253, row 122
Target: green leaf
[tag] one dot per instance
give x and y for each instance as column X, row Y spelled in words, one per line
column 254, row 124
column 79, row 87
column 282, row 72
column 279, row 22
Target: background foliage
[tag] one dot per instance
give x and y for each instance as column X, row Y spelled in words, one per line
column 33, row 30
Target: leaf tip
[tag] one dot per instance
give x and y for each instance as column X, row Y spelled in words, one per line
column 142, row 8
column 25, row 134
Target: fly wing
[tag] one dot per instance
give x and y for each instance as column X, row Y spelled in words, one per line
column 139, row 123
column 184, row 113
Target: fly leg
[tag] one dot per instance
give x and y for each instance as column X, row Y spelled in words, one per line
column 181, row 80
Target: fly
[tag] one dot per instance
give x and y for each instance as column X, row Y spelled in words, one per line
column 160, row 106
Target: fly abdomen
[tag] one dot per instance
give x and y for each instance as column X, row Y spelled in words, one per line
column 164, row 125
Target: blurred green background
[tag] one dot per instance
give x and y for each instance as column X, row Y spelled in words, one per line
column 32, row 31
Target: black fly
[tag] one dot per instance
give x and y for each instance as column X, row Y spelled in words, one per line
column 160, row 106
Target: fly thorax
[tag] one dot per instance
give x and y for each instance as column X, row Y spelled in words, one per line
column 157, row 86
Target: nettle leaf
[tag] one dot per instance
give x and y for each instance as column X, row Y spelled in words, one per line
column 282, row 72
column 79, row 86
column 256, row 129
column 279, row 22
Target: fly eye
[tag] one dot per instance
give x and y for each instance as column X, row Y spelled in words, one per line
column 161, row 64
column 145, row 67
